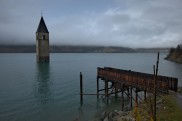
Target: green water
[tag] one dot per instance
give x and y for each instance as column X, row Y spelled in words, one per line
column 50, row 91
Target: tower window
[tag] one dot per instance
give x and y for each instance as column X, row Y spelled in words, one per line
column 43, row 37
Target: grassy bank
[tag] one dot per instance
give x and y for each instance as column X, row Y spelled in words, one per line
column 167, row 110
column 180, row 90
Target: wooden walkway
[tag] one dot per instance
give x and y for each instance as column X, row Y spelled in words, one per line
column 141, row 81
column 127, row 81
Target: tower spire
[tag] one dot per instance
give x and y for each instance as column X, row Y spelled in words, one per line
column 42, row 26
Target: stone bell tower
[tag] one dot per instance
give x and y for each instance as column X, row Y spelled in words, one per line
column 42, row 42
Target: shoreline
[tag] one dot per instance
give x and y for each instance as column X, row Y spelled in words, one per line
column 167, row 108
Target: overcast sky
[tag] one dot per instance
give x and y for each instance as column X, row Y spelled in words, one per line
column 128, row 23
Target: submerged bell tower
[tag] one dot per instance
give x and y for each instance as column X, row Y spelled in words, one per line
column 42, row 42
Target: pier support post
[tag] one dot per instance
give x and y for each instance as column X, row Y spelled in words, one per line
column 136, row 96
column 128, row 92
column 122, row 99
column 97, row 87
column 81, row 88
column 145, row 94
column 106, row 88
column 115, row 90
column 131, row 97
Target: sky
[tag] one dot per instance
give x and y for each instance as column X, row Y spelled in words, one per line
column 126, row 23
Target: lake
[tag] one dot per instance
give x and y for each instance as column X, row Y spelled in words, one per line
column 50, row 91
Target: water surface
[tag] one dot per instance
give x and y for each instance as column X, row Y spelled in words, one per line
column 50, row 91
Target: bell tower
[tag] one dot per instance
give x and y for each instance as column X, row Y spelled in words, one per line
column 42, row 42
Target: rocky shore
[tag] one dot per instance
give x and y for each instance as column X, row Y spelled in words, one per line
column 116, row 115
column 168, row 109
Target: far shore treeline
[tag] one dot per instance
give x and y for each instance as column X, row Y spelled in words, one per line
column 175, row 54
column 80, row 49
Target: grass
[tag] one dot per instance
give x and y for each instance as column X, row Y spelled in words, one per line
column 180, row 90
column 167, row 110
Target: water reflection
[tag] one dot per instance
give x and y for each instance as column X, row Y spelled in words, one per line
column 43, row 91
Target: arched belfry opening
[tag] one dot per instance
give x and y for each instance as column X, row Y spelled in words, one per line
column 42, row 42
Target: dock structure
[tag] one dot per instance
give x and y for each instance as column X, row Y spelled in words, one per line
column 138, row 80
column 127, row 80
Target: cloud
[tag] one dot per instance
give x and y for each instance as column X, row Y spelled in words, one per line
column 130, row 23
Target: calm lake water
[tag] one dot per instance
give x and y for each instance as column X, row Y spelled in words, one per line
column 50, row 91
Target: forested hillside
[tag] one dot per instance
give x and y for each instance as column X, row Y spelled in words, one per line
column 175, row 54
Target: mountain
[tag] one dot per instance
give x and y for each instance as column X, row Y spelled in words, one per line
column 17, row 48
column 65, row 49
column 78, row 49
column 152, row 50
column 90, row 49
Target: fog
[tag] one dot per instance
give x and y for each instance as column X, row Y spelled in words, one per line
column 128, row 23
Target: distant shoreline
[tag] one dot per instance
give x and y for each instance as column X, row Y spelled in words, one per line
column 79, row 49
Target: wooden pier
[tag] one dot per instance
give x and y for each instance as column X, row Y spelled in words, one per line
column 127, row 81
column 131, row 79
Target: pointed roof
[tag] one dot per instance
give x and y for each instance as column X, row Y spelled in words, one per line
column 42, row 27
